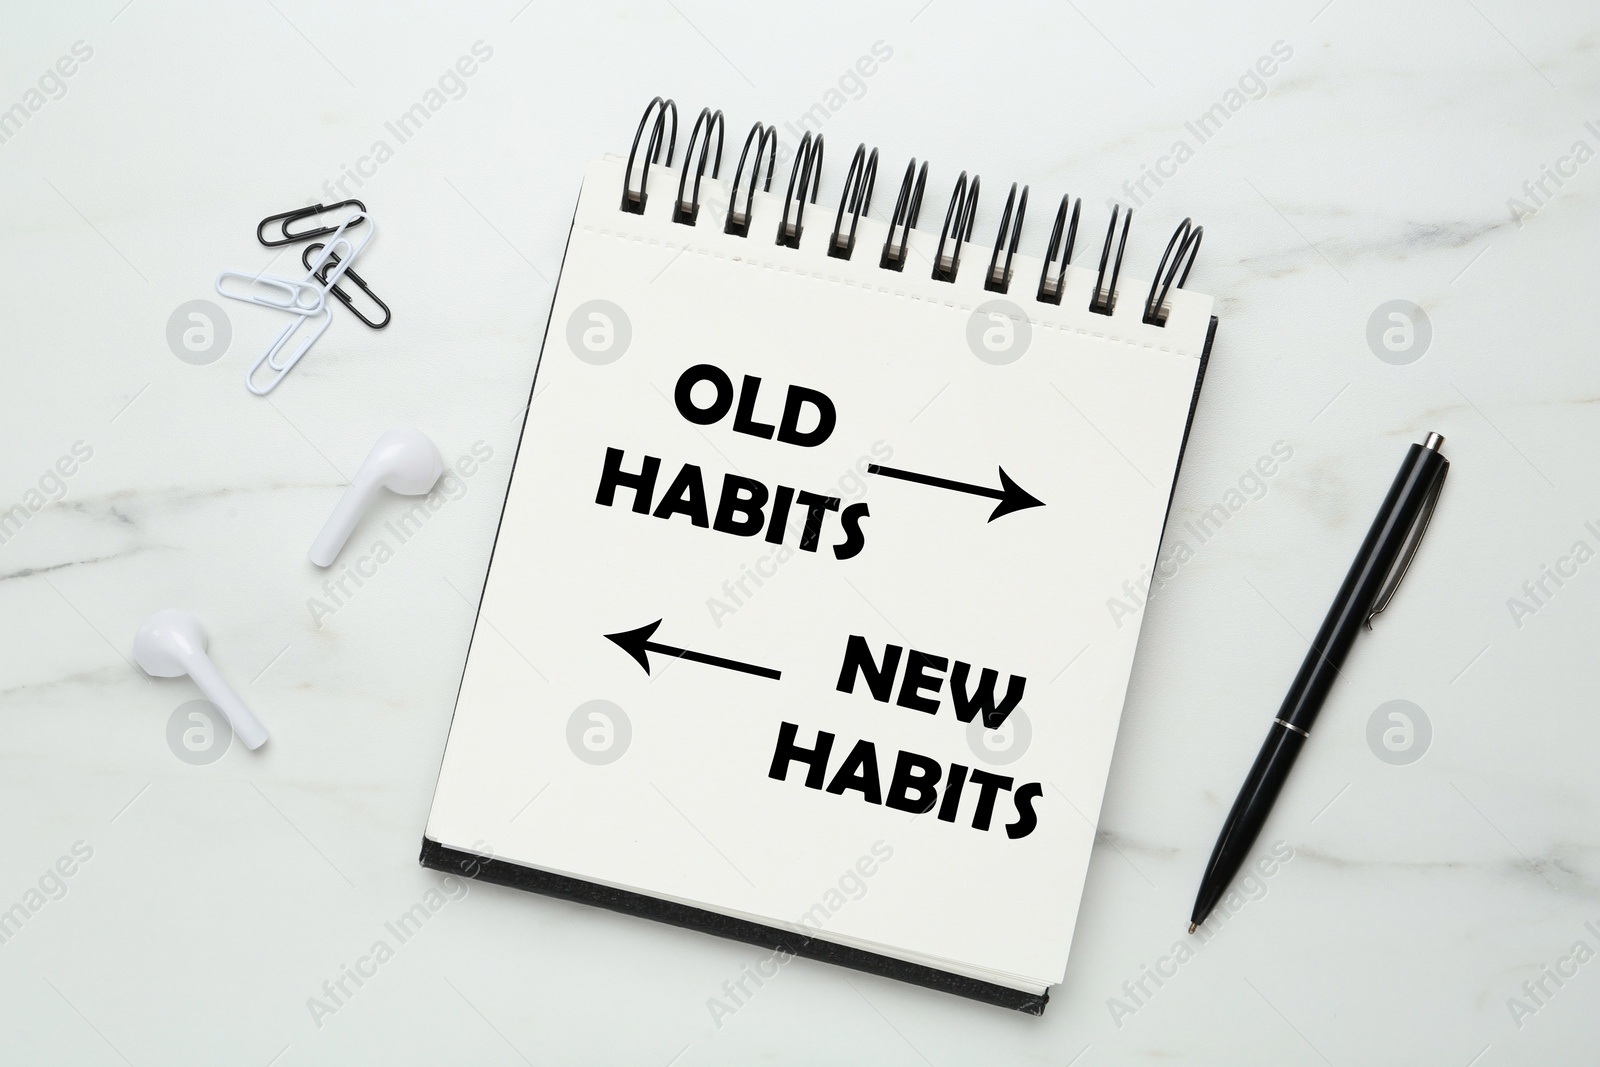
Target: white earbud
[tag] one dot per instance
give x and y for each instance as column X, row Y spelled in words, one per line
column 170, row 644
column 403, row 461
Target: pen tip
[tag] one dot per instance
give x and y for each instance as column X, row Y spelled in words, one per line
column 1193, row 927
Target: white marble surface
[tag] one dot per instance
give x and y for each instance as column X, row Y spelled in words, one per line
column 1376, row 167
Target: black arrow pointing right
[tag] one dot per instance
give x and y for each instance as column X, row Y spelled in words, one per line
column 1012, row 496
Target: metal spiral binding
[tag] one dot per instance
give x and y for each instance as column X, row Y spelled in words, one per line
column 805, row 179
column 906, row 208
column 998, row 281
column 963, row 210
column 633, row 202
column 857, row 193
column 766, row 140
column 688, row 211
column 1050, row 288
column 807, row 167
column 1187, row 240
column 1105, row 298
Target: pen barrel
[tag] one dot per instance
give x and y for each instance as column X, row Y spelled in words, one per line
column 1373, row 563
column 1249, row 814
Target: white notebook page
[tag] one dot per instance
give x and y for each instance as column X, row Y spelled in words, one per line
column 1089, row 420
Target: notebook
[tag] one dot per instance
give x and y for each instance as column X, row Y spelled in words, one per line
column 799, row 625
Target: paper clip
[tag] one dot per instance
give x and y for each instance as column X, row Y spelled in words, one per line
column 283, row 219
column 337, row 256
column 269, row 357
column 344, row 297
column 301, row 296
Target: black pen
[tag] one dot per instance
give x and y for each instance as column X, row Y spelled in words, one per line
column 1367, row 589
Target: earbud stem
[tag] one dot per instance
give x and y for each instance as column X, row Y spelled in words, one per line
column 342, row 523
column 217, row 690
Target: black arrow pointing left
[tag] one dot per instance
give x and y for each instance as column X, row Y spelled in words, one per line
column 637, row 644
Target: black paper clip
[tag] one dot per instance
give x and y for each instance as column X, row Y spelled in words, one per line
column 308, row 257
column 298, row 213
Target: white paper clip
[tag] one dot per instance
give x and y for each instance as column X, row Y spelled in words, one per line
column 271, row 291
column 282, row 368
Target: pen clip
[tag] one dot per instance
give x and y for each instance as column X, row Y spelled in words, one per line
column 1413, row 541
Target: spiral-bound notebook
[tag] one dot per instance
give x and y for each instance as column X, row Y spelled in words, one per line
column 797, row 628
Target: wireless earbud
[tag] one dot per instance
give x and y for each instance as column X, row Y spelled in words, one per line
column 170, row 644
column 403, row 461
